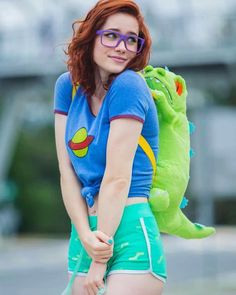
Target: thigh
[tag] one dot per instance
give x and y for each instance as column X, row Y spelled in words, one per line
column 138, row 249
column 78, row 285
column 130, row 284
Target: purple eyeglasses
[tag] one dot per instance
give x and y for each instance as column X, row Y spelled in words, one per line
column 112, row 39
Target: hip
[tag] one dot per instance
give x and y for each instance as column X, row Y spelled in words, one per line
column 132, row 200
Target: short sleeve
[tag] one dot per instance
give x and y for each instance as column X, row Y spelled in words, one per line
column 62, row 94
column 129, row 96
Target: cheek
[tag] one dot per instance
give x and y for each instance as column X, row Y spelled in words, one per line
column 131, row 56
column 98, row 50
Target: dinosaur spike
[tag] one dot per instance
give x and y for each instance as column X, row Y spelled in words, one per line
column 192, row 153
column 192, row 127
column 184, row 203
column 199, row 225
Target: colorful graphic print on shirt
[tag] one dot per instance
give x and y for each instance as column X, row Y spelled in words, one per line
column 80, row 142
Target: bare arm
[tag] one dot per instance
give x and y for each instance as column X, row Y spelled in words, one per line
column 121, row 147
column 95, row 242
column 70, row 185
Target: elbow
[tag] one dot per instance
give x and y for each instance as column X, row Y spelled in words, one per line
column 66, row 172
column 120, row 183
column 117, row 183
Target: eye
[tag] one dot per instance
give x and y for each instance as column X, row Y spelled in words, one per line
column 111, row 35
column 132, row 40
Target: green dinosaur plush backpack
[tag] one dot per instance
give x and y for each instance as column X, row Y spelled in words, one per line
column 171, row 170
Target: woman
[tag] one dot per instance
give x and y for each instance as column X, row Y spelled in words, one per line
column 105, row 177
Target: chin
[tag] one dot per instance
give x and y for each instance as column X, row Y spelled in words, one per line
column 116, row 69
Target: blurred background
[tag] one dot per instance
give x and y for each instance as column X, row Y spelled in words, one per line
column 194, row 38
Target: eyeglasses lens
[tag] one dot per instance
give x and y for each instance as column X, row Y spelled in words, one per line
column 111, row 39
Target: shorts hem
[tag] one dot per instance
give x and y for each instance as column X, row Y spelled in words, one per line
column 80, row 274
column 137, row 272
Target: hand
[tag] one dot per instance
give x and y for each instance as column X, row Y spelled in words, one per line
column 94, row 279
column 97, row 246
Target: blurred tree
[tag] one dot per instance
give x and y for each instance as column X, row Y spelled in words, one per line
column 35, row 171
column 225, row 211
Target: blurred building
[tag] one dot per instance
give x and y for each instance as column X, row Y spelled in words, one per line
column 196, row 39
column 31, row 30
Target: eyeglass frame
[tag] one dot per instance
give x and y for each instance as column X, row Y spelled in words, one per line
column 122, row 38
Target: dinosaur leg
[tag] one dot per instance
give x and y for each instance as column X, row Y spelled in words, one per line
column 159, row 200
column 176, row 223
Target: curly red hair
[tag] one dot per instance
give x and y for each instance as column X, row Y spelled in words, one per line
column 80, row 50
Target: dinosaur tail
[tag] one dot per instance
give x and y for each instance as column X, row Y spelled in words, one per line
column 177, row 224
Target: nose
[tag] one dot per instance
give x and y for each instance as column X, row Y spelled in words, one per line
column 121, row 46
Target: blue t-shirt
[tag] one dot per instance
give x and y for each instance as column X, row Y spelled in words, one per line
column 86, row 134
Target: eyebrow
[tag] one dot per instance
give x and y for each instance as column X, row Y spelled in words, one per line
column 114, row 29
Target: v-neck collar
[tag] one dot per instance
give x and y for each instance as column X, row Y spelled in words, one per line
column 101, row 106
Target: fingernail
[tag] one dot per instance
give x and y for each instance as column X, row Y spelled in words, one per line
column 110, row 241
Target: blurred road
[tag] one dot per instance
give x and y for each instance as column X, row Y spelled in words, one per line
column 195, row 267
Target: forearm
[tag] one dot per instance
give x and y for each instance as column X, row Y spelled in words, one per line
column 74, row 203
column 111, row 202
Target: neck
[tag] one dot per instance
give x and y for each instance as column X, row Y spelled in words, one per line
column 99, row 92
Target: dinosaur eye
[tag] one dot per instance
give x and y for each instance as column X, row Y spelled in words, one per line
column 179, row 87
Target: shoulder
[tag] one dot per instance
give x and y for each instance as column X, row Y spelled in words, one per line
column 62, row 93
column 64, row 80
column 130, row 79
column 129, row 95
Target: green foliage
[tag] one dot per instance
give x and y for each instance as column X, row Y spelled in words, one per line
column 225, row 211
column 35, row 172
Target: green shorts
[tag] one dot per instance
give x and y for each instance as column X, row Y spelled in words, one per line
column 137, row 245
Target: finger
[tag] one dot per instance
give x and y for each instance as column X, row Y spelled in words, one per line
column 101, row 246
column 103, row 253
column 103, row 237
column 86, row 291
column 100, row 288
column 99, row 253
column 102, row 260
column 86, row 288
column 90, row 290
column 94, row 288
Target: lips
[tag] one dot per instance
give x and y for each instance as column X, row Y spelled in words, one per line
column 118, row 58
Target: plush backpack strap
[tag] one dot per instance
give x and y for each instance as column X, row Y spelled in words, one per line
column 146, row 147
column 142, row 141
column 74, row 90
column 149, row 152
